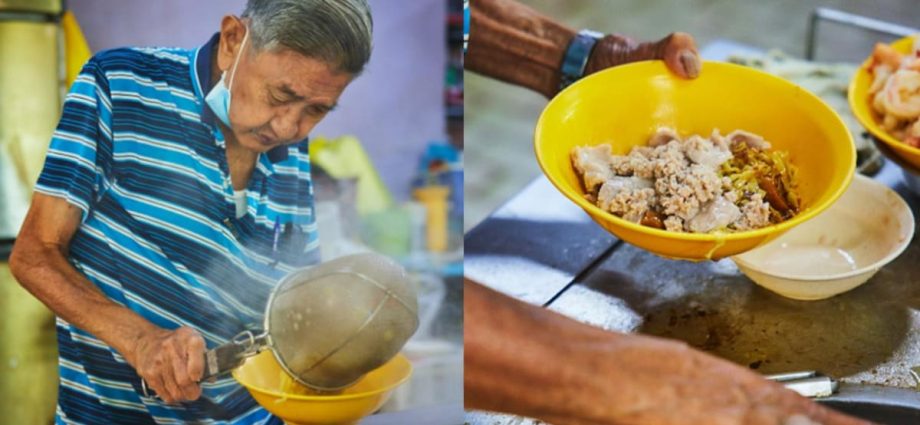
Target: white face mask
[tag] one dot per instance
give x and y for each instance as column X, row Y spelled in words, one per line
column 218, row 99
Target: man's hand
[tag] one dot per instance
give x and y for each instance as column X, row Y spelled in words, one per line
column 526, row 360
column 647, row 380
column 171, row 362
column 514, row 43
column 678, row 50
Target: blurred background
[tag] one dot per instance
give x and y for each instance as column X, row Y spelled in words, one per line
column 772, row 35
column 387, row 165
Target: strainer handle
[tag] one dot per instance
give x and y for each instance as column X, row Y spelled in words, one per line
column 233, row 353
column 225, row 357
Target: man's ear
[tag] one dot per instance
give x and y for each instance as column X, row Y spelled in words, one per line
column 232, row 31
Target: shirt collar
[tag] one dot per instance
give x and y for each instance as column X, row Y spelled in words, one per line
column 203, row 72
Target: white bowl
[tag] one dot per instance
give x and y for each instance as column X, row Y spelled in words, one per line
column 838, row 250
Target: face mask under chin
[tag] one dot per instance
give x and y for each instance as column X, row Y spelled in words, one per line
column 218, row 99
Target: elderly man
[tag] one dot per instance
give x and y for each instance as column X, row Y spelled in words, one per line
column 176, row 191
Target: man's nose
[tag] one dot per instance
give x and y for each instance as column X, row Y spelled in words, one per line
column 286, row 124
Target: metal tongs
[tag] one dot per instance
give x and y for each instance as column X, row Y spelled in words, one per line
column 807, row 383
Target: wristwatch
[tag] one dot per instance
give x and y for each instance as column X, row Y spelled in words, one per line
column 576, row 56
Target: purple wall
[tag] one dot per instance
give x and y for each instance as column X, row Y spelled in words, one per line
column 394, row 108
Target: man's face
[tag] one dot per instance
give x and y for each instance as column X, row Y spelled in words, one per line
column 278, row 96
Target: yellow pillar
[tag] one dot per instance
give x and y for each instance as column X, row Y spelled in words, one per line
column 435, row 200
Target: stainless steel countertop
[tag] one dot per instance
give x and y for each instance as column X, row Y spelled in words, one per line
column 866, row 336
column 444, row 414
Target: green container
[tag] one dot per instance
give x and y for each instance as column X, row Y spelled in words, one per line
column 388, row 231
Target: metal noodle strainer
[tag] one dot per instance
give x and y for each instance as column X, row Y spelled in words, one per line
column 330, row 324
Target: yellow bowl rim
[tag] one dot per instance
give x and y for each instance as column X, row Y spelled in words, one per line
column 893, row 157
column 301, row 397
column 701, row 237
column 878, row 264
column 867, row 122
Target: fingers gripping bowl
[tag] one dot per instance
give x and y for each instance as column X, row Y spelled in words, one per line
column 623, row 106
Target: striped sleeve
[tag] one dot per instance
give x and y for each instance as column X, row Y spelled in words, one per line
column 79, row 156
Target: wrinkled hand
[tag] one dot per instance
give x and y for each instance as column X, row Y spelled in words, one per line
column 527, row 360
column 171, row 362
column 668, row 382
column 678, row 50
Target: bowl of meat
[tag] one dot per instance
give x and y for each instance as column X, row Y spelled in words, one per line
column 694, row 169
column 884, row 95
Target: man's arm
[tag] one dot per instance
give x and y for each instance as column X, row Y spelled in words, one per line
column 529, row 361
column 518, row 45
column 170, row 361
column 514, row 43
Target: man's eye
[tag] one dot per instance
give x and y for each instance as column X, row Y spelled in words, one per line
column 317, row 110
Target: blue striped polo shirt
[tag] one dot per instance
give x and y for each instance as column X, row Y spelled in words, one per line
column 140, row 154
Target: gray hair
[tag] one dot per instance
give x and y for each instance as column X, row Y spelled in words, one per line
column 337, row 32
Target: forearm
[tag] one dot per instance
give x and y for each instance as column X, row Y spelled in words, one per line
column 44, row 271
column 514, row 43
column 526, row 360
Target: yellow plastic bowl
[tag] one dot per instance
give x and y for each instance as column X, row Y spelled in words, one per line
column 261, row 375
column 622, row 106
column 860, row 104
